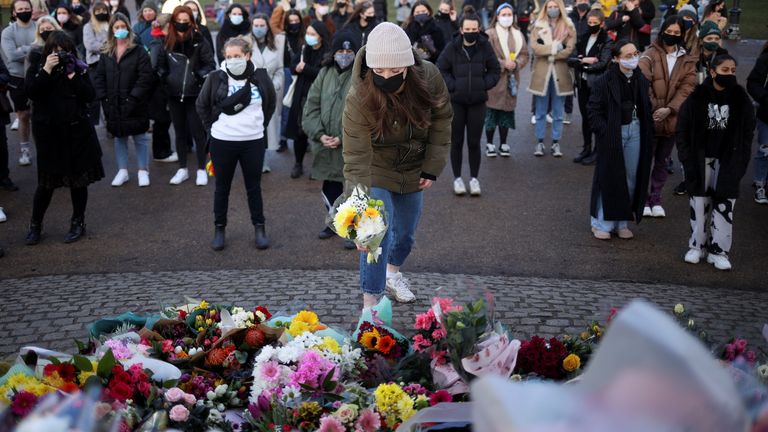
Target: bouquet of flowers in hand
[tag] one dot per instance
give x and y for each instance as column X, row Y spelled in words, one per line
column 361, row 219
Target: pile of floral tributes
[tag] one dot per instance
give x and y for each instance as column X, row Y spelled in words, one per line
column 206, row 366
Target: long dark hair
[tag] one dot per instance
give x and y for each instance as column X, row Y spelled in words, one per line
column 269, row 38
column 358, row 11
column 173, row 37
column 61, row 40
column 74, row 19
column 413, row 105
column 670, row 20
column 286, row 22
column 424, row 3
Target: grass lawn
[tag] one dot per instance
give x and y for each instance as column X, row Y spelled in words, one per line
column 754, row 19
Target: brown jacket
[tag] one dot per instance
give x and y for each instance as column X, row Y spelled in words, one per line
column 668, row 91
column 398, row 161
column 499, row 97
column 548, row 61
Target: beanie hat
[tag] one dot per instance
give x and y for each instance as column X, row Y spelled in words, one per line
column 148, row 4
column 344, row 40
column 689, row 11
column 709, row 28
column 388, row 47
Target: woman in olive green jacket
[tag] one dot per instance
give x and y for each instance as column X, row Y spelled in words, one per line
column 321, row 120
column 397, row 134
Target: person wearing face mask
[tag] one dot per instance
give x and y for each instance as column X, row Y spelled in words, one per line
column 361, row 22
column 578, row 16
column 648, row 12
column 396, row 134
column 620, row 111
column 45, row 26
column 294, row 38
column 424, row 34
column 237, row 23
column 342, row 9
column 672, row 73
column 626, row 21
column 200, row 20
column 183, row 64
column 757, row 85
column 236, row 104
column 403, row 10
column 323, row 112
column 446, row 19
column 710, row 38
column 16, row 43
column 673, row 7
column 589, row 60
column 714, row 142
column 123, row 82
column 72, row 25
column 116, row 6
column 95, row 34
column 68, row 151
column 79, row 9
column 144, row 23
column 512, row 54
column 162, row 150
column 690, row 29
column 305, row 66
column 268, row 51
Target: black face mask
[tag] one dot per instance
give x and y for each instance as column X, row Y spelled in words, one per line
column 471, row 37
column 78, row 9
column 593, row 29
column 388, row 85
column 294, row 28
column 671, row 40
column 181, row 27
column 24, row 16
column 727, row 81
column 44, row 34
column 583, row 8
column 422, row 19
column 102, row 16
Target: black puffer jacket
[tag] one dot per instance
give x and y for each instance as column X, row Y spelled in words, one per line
column 601, row 49
column 216, row 89
column 427, row 39
column 125, row 88
column 184, row 69
column 469, row 78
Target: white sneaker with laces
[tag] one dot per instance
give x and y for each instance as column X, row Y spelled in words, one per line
column 539, row 150
column 15, row 125
column 490, row 150
column 555, row 150
column 549, row 118
column 458, row 186
column 474, row 187
column 266, row 169
column 143, row 178
column 3, row 217
column 719, row 261
column 647, row 212
column 399, row 287
column 504, row 150
column 533, row 119
column 24, row 157
column 174, row 157
column 202, row 178
column 120, row 178
column 693, row 256
column 181, row 176
column 658, row 211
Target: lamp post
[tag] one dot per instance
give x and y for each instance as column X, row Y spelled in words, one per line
column 733, row 20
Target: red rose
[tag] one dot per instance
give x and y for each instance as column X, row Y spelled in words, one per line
column 144, row 388
column 67, row 372
column 120, row 390
column 117, row 369
column 182, row 315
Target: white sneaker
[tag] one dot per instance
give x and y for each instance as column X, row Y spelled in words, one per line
column 490, row 150
column 120, row 178
column 539, row 150
column 474, row 187
column 458, row 186
column 202, row 178
column 181, row 176
column 647, row 212
column 555, row 150
column 25, row 157
column 693, row 256
column 399, row 287
column 658, row 211
column 3, row 217
column 504, row 150
column 174, row 157
column 549, row 118
column 15, row 125
column 533, row 119
column 719, row 261
column 566, row 119
column 266, row 169
column 143, row 178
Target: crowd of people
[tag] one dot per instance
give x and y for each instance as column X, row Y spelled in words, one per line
column 386, row 105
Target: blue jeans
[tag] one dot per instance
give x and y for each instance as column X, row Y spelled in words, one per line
column 630, row 140
column 404, row 211
column 141, row 141
column 542, row 108
column 761, row 158
column 286, row 110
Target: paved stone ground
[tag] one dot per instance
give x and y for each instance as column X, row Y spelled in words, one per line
column 50, row 311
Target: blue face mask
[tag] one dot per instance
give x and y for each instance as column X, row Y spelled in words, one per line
column 121, row 34
column 311, row 40
column 259, row 32
column 236, row 19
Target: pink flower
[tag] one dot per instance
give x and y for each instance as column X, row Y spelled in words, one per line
column 23, row 403
column 270, row 371
column 189, row 399
column 368, row 421
column 439, row 357
column 730, row 352
column 312, row 370
column 331, row 424
column 440, row 396
column 179, row 413
column 101, row 409
column 174, row 394
column 446, row 304
column 167, row 346
column 439, row 333
column 420, row 344
column 740, row 345
column 751, row 357
column 424, row 321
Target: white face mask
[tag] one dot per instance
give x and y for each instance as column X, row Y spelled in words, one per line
column 62, row 18
column 114, row 3
column 506, row 21
column 236, row 66
column 322, row 10
column 236, row 19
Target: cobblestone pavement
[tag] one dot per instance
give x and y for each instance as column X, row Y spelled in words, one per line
column 50, row 311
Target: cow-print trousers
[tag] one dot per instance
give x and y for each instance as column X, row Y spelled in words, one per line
column 712, row 212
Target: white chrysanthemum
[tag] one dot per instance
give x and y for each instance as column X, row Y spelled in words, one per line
column 266, row 354
column 370, row 228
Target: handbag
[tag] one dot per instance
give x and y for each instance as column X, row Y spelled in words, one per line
column 5, row 103
column 646, row 29
column 288, row 99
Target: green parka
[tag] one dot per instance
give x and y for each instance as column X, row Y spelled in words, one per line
column 323, row 111
column 396, row 162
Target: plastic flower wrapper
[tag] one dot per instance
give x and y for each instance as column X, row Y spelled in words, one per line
column 358, row 217
column 298, row 318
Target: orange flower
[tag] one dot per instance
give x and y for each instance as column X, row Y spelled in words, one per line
column 385, row 344
column 69, row 387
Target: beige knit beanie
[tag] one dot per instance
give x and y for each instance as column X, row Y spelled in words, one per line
column 388, row 47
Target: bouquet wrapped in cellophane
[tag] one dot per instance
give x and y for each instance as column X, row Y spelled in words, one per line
column 358, row 217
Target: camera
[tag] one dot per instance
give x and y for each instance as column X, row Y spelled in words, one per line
column 64, row 57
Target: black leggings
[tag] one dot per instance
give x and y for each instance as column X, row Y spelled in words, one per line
column 332, row 190
column 472, row 119
column 161, row 140
column 225, row 156
column 185, row 120
column 502, row 135
column 300, row 145
column 43, row 198
column 586, row 129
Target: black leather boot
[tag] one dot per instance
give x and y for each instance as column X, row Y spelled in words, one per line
column 591, row 159
column 219, row 240
column 76, row 231
column 326, row 233
column 262, row 242
column 34, row 234
column 584, row 153
column 297, row 171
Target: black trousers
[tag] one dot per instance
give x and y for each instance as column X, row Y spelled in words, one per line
column 225, row 156
column 161, row 140
column 185, row 121
column 472, row 119
column 332, row 190
column 586, row 130
column 4, row 172
column 43, row 197
column 300, row 145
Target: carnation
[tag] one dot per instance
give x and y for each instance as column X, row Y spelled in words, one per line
column 179, row 413
column 331, row 424
column 174, row 394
